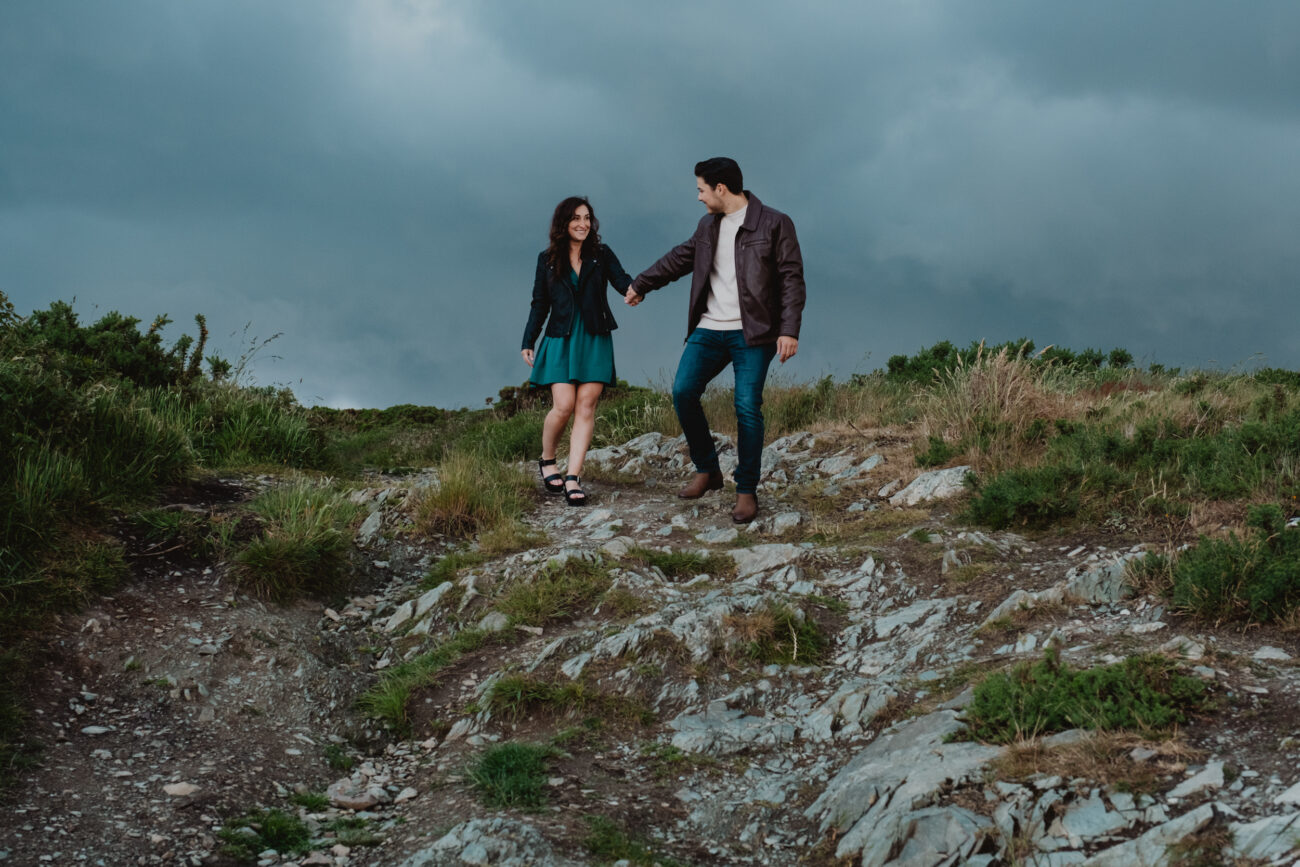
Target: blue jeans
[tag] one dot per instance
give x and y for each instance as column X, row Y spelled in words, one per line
column 707, row 353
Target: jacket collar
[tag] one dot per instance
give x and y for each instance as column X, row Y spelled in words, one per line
column 751, row 216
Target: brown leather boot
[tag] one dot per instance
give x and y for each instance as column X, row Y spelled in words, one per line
column 746, row 508
column 701, row 484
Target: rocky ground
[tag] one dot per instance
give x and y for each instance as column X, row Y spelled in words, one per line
column 179, row 703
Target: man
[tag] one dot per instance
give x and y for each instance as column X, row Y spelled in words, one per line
column 747, row 297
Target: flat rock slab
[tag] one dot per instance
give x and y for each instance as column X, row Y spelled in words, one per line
column 1152, row 848
column 899, row 772
column 499, row 842
column 720, row 731
column 936, row 485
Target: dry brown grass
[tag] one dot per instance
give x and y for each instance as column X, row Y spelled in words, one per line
column 994, row 398
column 1103, row 757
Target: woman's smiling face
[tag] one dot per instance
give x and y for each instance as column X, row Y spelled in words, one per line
column 580, row 224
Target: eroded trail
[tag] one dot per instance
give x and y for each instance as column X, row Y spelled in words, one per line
column 777, row 694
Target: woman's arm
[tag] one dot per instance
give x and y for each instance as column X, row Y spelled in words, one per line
column 541, row 305
column 618, row 278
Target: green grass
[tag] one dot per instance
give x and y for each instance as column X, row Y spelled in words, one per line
column 558, row 592
column 388, row 699
column 337, row 758
column 609, row 842
column 305, row 545
column 1150, row 467
column 1144, row 694
column 312, row 802
column 18, row 751
column 449, row 567
column 352, row 831
column 778, row 635
column 475, row 493
column 684, row 564
column 244, row 837
column 512, row 775
column 518, row 695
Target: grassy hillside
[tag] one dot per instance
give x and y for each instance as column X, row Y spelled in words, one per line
column 96, row 419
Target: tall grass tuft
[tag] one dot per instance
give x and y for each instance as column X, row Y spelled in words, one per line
column 475, row 493
column 304, row 547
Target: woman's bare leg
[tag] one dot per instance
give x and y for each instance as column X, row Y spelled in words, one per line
column 562, row 401
column 584, row 424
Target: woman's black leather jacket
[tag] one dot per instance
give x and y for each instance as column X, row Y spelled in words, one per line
column 558, row 298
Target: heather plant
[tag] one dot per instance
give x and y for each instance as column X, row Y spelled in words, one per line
column 1255, row 579
column 1144, row 694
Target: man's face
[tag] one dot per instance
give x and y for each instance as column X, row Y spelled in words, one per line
column 710, row 196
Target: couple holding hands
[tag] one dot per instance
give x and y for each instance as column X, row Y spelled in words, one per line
column 746, row 304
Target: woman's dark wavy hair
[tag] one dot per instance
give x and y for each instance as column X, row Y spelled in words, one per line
column 557, row 254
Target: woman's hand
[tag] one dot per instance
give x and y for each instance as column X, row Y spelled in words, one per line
column 528, row 356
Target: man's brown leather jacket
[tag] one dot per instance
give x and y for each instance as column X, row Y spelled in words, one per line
column 769, row 272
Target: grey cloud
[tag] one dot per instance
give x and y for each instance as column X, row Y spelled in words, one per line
column 374, row 179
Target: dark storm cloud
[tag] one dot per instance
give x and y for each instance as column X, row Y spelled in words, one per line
column 374, row 179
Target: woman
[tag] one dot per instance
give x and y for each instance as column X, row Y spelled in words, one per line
column 576, row 355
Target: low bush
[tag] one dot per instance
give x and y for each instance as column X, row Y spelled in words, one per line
column 1031, row 497
column 1144, row 694
column 1255, row 579
column 512, row 775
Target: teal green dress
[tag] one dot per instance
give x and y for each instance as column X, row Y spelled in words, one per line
column 580, row 357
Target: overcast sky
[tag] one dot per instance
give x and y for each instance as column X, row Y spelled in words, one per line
column 374, row 179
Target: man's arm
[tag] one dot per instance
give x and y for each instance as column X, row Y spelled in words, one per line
column 673, row 265
column 789, row 267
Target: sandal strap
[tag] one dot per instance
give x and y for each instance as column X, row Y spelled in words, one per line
column 546, row 462
column 572, row 479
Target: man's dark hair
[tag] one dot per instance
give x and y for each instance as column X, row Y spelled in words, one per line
column 721, row 170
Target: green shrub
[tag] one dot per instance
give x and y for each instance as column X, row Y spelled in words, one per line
column 512, row 775
column 1144, row 694
column 1032, row 497
column 1278, row 376
column 937, row 453
column 1256, row 579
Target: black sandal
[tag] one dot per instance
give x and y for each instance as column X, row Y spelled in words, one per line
column 548, row 482
column 575, row 496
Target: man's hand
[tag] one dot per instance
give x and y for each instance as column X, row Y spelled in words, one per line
column 632, row 298
column 786, row 347
column 528, row 357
